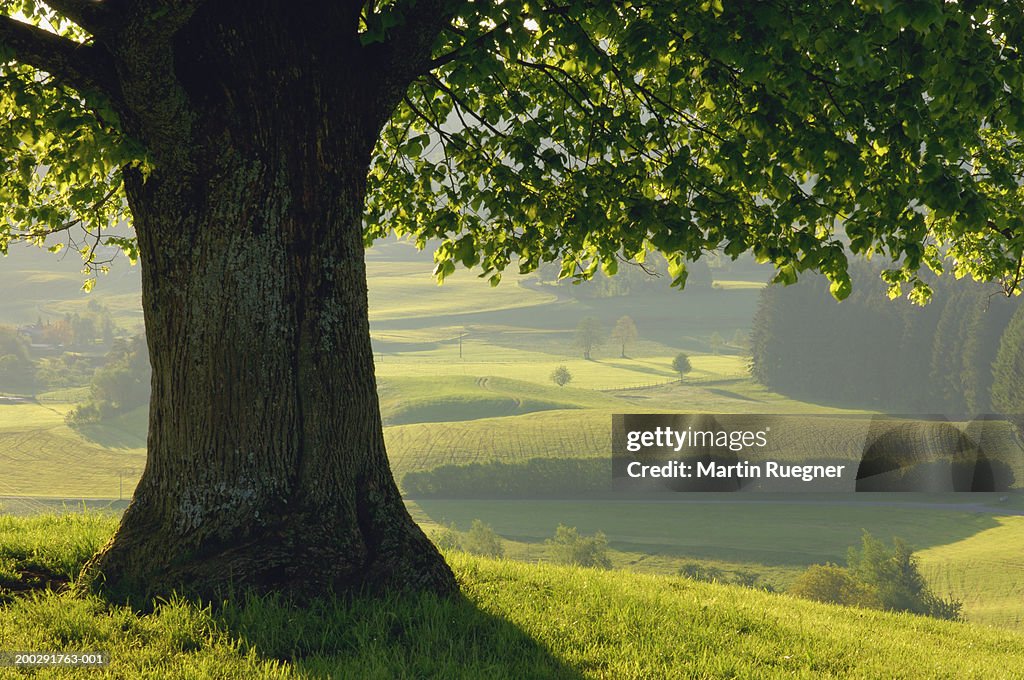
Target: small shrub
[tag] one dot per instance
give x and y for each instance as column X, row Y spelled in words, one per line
column 893, row 573
column 836, row 585
column 702, row 572
column 568, row 547
column 876, row 576
column 447, row 538
column 481, row 539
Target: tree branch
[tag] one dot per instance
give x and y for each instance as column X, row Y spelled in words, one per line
column 83, row 67
column 468, row 47
column 95, row 16
column 412, row 42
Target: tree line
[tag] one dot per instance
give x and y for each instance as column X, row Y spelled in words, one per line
column 960, row 354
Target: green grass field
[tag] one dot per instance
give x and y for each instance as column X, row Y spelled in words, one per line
column 404, row 290
column 965, row 552
column 497, row 403
column 513, row 620
column 41, row 456
column 983, row 570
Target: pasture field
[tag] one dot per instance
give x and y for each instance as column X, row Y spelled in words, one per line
column 41, row 456
column 514, row 621
column 454, row 398
column 966, row 547
column 535, row 366
column 407, row 290
column 984, row 570
column 37, row 283
column 497, row 403
column 791, row 532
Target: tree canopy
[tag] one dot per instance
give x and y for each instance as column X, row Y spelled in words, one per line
column 595, row 132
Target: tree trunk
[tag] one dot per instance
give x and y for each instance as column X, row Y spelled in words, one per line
column 266, row 462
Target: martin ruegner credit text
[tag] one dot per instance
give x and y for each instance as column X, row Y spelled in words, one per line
column 743, row 470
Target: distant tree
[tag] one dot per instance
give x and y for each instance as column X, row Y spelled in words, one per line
column 83, row 329
column 1008, row 369
column 987, row 322
column 948, row 351
column 681, row 365
column 624, row 333
column 16, row 367
column 834, row 584
column 108, row 330
column 70, row 369
column 57, row 333
column 716, row 342
column 741, row 339
column 589, row 335
column 481, row 539
column 568, row 547
column 561, row 376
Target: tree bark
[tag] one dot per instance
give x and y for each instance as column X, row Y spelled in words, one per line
column 266, row 461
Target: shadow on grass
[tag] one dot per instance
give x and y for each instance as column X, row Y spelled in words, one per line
column 417, row 636
column 110, row 436
column 768, row 529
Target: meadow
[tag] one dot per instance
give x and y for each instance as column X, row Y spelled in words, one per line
column 512, row 620
column 497, row 402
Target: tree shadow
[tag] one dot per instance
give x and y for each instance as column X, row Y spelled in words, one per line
column 399, row 635
column 110, row 436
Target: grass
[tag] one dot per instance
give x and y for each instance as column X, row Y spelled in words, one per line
column 787, row 534
column 454, row 398
column 406, row 290
column 513, row 620
column 55, row 543
column 984, row 572
column 536, row 367
column 41, row 456
column 738, row 285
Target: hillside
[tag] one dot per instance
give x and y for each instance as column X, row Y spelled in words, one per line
column 514, row 621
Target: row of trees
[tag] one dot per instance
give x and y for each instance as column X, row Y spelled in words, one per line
column 886, row 354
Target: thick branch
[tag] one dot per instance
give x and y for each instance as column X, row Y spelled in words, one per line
column 83, row 67
column 413, row 41
column 95, row 16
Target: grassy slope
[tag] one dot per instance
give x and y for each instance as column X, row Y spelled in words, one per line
column 984, row 571
column 455, row 398
column 515, row 621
